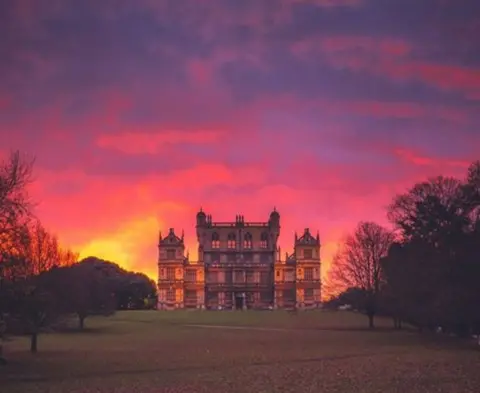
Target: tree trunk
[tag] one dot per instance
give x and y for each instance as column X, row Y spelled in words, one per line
column 371, row 325
column 81, row 322
column 33, row 342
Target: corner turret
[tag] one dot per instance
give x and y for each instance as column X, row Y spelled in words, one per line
column 201, row 218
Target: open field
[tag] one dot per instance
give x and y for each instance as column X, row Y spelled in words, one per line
column 261, row 352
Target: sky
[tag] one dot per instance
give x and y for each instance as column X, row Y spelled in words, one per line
column 140, row 112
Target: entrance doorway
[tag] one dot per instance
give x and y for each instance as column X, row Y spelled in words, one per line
column 239, row 301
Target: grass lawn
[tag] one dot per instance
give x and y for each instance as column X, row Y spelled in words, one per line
column 150, row 351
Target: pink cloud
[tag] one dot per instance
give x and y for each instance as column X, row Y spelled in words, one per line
column 391, row 58
column 152, row 143
column 423, row 160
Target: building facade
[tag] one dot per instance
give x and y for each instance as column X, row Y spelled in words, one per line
column 239, row 267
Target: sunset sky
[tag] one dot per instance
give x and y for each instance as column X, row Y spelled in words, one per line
column 139, row 112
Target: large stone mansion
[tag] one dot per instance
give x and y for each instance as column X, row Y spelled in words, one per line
column 239, row 267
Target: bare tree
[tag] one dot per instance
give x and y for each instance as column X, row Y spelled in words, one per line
column 357, row 263
column 15, row 203
column 15, row 211
column 42, row 251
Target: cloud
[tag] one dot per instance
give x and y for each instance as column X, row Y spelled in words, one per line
column 393, row 58
column 148, row 143
column 422, row 160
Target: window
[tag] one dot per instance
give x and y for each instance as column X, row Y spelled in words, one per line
column 247, row 241
column 228, row 276
column 250, row 277
column 212, row 297
column 170, row 254
column 289, row 276
column 191, row 275
column 212, row 277
column 264, row 258
column 278, row 273
column 264, row 240
column 239, row 278
column 231, row 241
column 170, row 295
column 289, row 294
column 215, row 240
column 308, row 294
column 191, row 296
column 232, row 258
column 215, row 257
column 170, row 273
column 264, row 277
column 307, row 254
column 308, row 273
column 221, row 297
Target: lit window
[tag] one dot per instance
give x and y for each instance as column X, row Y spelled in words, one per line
column 191, row 275
column 170, row 295
column 247, row 241
column 231, row 241
column 170, row 273
column 264, row 240
column 215, row 240
column 308, row 273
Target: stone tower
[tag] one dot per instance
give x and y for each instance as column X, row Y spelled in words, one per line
column 308, row 279
column 171, row 260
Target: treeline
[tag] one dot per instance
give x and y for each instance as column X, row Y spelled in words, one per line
column 42, row 285
column 426, row 272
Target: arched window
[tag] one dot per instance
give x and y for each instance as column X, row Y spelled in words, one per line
column 231, row 241
column 215, row 240
column 264, row 240
column 247, row 241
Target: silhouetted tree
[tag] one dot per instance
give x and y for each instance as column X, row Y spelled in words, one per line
column 134, row 290
column 354, row 297
column 82, row 289
column 357, row 264
column 131, row 290
column 34, row 308
column 15, row 211
column 432, row 275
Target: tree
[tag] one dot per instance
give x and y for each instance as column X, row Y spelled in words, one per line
column 131, row 290
column 35, row 306
column 357, row 264
column 429, row 211
column 15, row 204
column 15, row 211
column 82, row 289
column 134, row 291
column 354, row 297
column 438, row 221
column 407, row 293
column 42, row 251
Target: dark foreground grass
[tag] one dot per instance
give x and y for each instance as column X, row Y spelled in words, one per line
column 273, row 352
